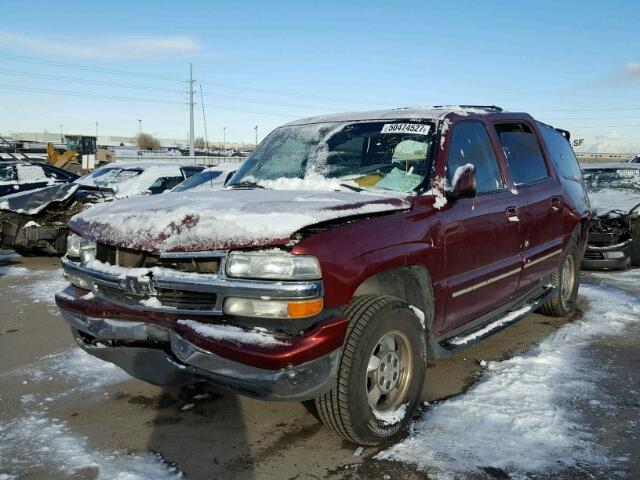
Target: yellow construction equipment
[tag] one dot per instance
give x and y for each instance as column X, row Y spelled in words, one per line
column 80, row 156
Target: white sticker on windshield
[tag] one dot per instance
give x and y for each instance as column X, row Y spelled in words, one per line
column 415, row 128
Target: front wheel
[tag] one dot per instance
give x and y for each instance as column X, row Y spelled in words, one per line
column 566, row 281
column 381, row 372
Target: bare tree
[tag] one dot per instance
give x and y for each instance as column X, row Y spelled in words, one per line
column 199, row 142
column 146, row 141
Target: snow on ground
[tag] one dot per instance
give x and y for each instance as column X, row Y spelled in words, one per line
column 518, row 417
column 36, row 443
column 41, row 286
column 77, row 369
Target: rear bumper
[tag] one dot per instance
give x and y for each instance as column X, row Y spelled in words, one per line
column 610, row 257
column 161, row 351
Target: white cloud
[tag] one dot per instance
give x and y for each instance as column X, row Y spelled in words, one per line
column 633, row 70
column 613, row 135
column 106, row 48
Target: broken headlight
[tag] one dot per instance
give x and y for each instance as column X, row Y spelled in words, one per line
column 272, row 265
column 80, row 248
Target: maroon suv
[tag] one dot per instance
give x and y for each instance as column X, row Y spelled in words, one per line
column 344, row 253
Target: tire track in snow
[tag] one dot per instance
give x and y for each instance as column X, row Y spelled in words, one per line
column 521, row 416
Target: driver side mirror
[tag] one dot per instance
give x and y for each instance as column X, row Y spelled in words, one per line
column 463, row 183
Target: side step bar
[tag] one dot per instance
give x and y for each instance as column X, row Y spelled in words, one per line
column 448, row 347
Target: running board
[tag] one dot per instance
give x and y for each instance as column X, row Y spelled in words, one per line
column 450, row 346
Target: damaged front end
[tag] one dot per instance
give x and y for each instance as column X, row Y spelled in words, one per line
column 610, row 241
column 35, row 222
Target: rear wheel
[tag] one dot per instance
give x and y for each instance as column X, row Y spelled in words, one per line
column 381, row 372
column 566, row 281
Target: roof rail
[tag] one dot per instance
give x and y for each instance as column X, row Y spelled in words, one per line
column 479, row 107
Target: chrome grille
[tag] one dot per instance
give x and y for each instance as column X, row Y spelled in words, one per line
column 130, row 258
column 179, row 299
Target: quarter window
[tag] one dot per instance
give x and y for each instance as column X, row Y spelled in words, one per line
column 470, row 144
column 561, row 153
column 522, row 151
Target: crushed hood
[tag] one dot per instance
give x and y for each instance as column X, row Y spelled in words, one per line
column 32, row 202
column 607, row 200
column 191, row 221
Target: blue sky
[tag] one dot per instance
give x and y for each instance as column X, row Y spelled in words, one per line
column 573, row 64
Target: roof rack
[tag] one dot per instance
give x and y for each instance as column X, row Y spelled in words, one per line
column 479, row 107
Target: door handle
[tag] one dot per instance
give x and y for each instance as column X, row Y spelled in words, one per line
column 512, row 214
column 555, row 204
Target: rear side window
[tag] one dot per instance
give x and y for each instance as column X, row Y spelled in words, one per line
column 7, row 174
column 522, row 151
column 561, row 154
column 470, row 144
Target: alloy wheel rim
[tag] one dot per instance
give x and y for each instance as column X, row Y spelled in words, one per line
column 389, row 372
column 567, row 281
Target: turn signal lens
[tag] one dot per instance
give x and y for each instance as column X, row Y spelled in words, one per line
column 305, row 309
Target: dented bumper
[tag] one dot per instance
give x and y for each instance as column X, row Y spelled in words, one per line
column 159, row 350
column 616, row 256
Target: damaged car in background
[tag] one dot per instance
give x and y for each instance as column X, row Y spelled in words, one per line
column 614, row 236
column 35, row 222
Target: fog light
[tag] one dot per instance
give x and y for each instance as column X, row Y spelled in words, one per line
column 614, row 254
column 253, row 307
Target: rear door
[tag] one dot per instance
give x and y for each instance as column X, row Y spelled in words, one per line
column 539, row 201
column 481, row 243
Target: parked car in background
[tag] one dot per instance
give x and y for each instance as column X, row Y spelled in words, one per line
column 345, row 252
column 35, row 222
column 614, row 236
column 635, row 159
column 212, row 178
column 22, row 175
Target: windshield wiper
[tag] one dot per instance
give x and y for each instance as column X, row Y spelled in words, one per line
column 247, row 185
column 351, row 187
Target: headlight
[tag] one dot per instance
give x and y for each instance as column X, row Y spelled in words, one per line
column 273, row 266
column 80, row 248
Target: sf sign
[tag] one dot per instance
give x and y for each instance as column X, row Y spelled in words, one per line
column 578, row 142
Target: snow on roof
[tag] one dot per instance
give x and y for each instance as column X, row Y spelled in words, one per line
column 393, row 113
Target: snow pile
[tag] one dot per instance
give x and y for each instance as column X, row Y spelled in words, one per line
column 230, row 333
column 75, row 366
column 519, row 418
column 392, row 417
column 35, row 443
column 309, row 182
column 216, row 220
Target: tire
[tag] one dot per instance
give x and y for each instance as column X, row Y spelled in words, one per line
column 563, row 300
column 377, row 323
column 635, row 247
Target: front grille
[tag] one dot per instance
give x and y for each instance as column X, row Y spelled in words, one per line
column 129, row 258
column 593, row 256
column 180, row 299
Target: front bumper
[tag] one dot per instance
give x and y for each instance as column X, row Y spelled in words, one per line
column 609, row 257
column 158, row 350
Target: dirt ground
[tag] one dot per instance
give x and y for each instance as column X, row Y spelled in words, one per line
column 206, row 434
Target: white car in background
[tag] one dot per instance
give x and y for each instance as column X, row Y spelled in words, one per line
column 213, row 178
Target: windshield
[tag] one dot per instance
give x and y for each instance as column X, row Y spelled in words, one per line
column 108, row 176
column 627, row 179
column 390, row 155
column 199, row 179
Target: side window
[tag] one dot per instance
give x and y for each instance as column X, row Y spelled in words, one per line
column 522, row 151
column 164, row 183
column 190, row 171
column 561, row 154
column 51, row 173
column 7, row 174
column 470, row 144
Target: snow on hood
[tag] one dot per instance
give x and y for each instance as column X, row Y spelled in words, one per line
column 605, row 200
column 222, row 219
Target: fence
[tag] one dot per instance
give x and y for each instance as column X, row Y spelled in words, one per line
column 201, row 160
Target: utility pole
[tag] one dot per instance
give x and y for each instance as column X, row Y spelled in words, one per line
column 96, row 130
column 256, row 129
column 204, row 119
column 139, row 128
column 61, row 139
column 224, row 139
column 191, row 149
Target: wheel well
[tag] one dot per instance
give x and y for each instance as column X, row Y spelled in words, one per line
column 411, row 283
